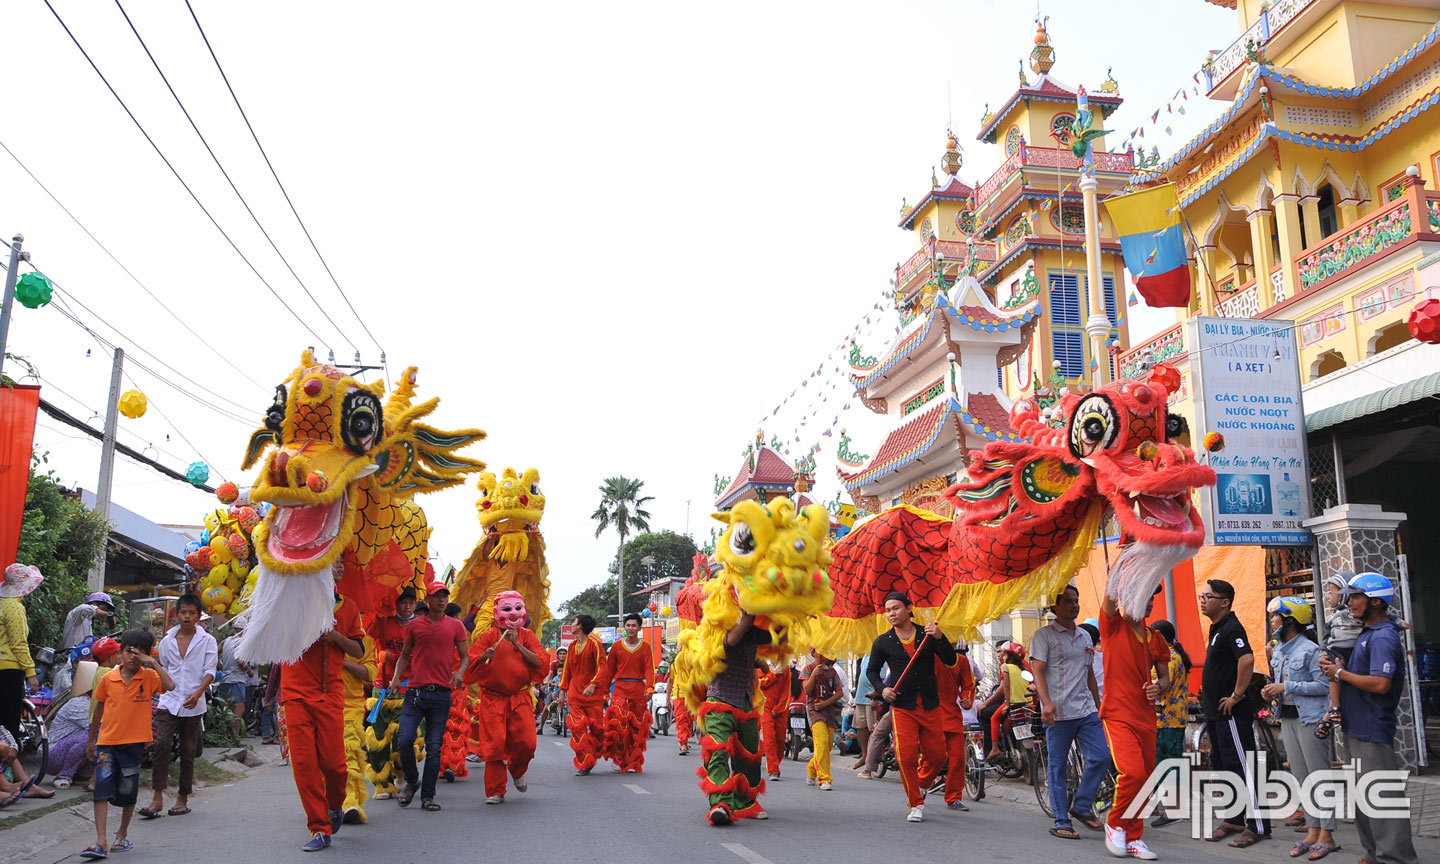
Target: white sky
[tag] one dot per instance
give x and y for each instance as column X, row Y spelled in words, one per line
column 612, row 235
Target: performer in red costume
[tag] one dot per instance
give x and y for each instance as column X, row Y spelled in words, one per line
column 955, row 683
column 627, row 725
column 506, row 661
column 313, row 694
column 457, row 729
column 683, row 722
column 1127, row 710
column 774, row 715
column 587, row 713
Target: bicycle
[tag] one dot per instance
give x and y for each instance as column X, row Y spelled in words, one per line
column 33, row 742
column 1074, row 766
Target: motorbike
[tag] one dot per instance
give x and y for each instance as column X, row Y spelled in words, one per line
column 799, row 738
column 660, row 710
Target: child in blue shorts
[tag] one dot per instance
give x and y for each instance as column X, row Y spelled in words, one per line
column 119, row 731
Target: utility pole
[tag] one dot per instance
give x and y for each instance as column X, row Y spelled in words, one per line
column 107, row 464
column 10, row 276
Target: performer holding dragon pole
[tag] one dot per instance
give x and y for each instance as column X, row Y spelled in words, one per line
column 506, row 661
column 627, row 724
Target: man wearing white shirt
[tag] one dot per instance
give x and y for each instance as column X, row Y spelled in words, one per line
column 189, row 655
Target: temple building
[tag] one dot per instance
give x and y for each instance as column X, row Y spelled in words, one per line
column 1310, row 199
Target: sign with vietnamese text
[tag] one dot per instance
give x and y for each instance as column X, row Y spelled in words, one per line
column 1247, row 388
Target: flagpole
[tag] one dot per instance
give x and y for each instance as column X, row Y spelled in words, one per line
column 1097, row 326
column 1214, row 295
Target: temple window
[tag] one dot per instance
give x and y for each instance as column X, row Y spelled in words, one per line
column 1329, row 224
column 1327, row 362
column 1388, row 337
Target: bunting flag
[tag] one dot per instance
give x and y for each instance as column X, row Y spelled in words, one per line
column 1156, row 116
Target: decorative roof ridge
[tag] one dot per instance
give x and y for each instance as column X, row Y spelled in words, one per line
column 907, row 219
column 745, row 476
column 934, row 417
column 893, row 355
column 1105, row 101
column 1286, row 78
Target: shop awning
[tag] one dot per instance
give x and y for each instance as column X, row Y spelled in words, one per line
column 1374, row 403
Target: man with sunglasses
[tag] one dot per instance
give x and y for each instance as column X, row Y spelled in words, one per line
column 1229, row 712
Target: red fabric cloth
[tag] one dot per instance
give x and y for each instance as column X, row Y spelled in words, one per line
column 776, row 687
column 627, row 729
column 1132, row 746
column 919, row 748
column 955, row 759
column 683, row 721
column 316, row 728
column 947, row 683
column 433, row 646
column 457, row 732
column 17, row 435
column 389, row 636
column 774, row 730
column 317, row 674
column 631, row 670
column 507, row 736
column 587, row 731
column 1128, row 663
column 581, row 663
column 507, row 672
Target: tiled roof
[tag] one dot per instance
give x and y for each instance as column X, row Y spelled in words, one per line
column 986, row 416
column 955, row 190
column 981, row 319
column 976, row 318
column 918, row 435
column 1046, row 89
column 771, row 470
column 1228, row 4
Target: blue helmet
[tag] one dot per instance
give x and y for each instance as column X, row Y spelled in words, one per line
column 1372, row 585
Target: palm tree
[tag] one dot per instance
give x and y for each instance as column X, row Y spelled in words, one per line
column 622, row 507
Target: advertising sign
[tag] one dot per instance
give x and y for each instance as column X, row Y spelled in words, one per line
column 1247, row 388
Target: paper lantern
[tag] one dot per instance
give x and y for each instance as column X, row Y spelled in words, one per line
column 1424, row 321
column 227, row 492
column 645, row 612
column 652, row 607
column 33, row 290
column 197, row 473
column 665, row 610
column 133, row 404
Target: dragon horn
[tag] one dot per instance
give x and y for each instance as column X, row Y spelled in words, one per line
column 404, row 392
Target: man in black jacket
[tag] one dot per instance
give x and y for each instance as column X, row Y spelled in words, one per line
column 914, row 700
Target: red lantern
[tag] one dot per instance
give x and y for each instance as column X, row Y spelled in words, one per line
column 1425, row 321
column 653, row 606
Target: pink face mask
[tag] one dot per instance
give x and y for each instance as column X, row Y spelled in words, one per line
column 509, row 610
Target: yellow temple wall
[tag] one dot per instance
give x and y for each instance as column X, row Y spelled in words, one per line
column 1352, row 41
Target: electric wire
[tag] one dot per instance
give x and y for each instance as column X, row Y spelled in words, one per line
column 191, row 192
column 152, row 404
column 96, row 415
column 283, row 191
column 127, row 272
column 226, row 174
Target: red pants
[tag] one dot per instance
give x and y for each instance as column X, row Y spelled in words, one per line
column 317, row 757
column 774, row 729
column 955, row 758
column 627, row 730
column 587, row 729
column 1132, row 746
column 683, row 721
column 507, row 737
column 919, row 748
column 457, row 730
column 997, row 722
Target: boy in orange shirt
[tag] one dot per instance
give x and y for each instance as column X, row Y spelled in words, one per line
column 119, row 731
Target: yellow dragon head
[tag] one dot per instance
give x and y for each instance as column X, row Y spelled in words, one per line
column 773, row 567
column 510, row 507
column 341, row 465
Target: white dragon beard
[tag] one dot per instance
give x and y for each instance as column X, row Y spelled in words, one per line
column 1138, row 569
column 288, row 612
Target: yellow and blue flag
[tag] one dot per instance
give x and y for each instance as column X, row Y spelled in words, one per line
column 1148, row 223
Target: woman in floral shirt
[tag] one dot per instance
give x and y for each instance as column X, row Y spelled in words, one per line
column 1172, row 708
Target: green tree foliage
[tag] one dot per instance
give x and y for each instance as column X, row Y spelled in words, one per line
column 674, row 555
column 622, row 507
column 61, row 537
column 550, row 633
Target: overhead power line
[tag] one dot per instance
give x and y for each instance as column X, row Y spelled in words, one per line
column 191, row 192
column 71, row 421
column 226, row 174
column 283, row 191
column 127, row 272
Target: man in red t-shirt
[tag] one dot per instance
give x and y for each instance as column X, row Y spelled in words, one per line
column 431, row 645
column 313, row 693
column 1127, row 711
column 506, row 661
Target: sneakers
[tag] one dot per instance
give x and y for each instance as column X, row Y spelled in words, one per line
column 719, row 815
column 957, row 805
column 760, row 813
column 353, row 816
column 865, row 775
column 471, row 757
column 336, row 817
column 809, row 781
column 383, row 796
column 317, row 842
column 521, row 784
column 1138, row 849
column 684, row 750
column 774, row 775
column 917, row 814
column 582, row 772
column 1115, row 842
column 62, row 783
column 495, row 799
column 826, row 786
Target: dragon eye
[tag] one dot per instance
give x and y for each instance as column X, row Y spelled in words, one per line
column 742, row 542
column 534, row 488
column 360, row 420
column 1175, row 426
column 1093, row 427
column 275, row 414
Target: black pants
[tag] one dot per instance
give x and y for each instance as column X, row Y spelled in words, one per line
column 1224, row 756
column 985, row 714
column 12, row 699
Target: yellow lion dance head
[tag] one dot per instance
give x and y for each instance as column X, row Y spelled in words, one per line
column 773, row 567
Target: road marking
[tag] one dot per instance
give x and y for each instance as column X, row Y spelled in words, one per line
column 636, row 789
column 745, row 853
column 559, row 743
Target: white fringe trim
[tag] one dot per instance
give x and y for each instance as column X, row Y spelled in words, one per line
column 287, row 614
column 1138, row 569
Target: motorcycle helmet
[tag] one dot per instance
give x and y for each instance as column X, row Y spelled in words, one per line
column 1372, row 585
column 101, row 597
column 1292, row 607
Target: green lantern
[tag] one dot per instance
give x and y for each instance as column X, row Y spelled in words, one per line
column 33, row 290
column 197, row 473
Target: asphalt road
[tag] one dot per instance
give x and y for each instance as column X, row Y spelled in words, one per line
column 657, row 815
